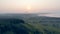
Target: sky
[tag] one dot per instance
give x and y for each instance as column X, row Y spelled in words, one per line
column 30, row 6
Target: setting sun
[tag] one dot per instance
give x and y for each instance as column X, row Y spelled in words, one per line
column 28, row 7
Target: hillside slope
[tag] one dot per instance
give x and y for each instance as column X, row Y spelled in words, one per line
column 22, row 27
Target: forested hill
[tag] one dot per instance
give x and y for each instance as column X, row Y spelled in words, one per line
column 28, row 24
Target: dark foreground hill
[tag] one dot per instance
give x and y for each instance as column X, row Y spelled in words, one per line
column 18, row 26
column 28, row 25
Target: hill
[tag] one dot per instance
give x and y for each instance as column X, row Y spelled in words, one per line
column 28, row 24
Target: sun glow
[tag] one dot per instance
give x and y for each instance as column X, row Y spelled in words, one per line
column 29, row 7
